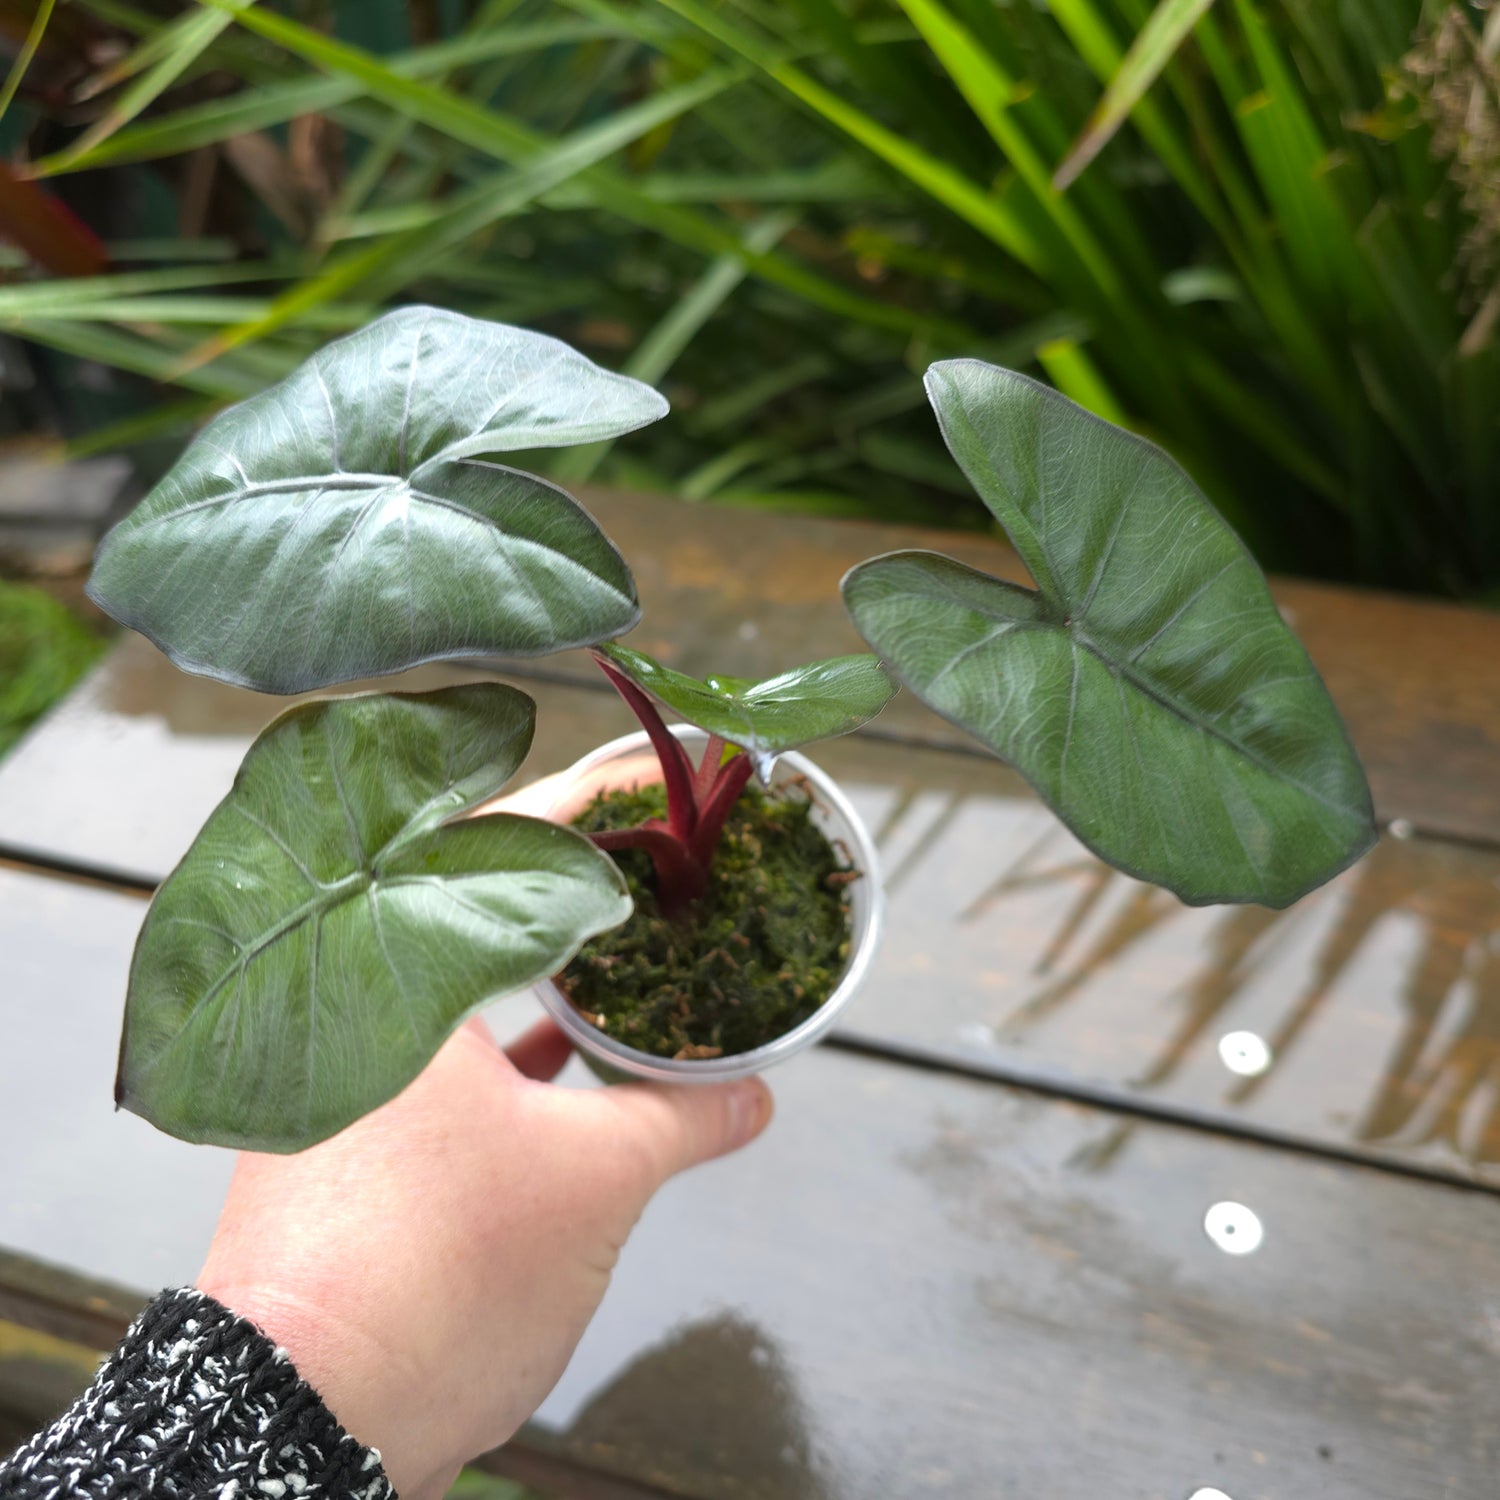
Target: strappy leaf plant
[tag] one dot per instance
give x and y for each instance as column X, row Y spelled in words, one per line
column 1261, row 232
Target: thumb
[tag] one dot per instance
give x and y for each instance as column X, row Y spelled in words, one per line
column 678, row 1127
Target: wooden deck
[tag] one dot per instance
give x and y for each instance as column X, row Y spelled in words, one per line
column 970, row 1258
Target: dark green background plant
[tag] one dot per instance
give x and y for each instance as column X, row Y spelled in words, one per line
column 779, row 212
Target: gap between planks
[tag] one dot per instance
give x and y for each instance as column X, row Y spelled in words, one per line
column 910, row 1053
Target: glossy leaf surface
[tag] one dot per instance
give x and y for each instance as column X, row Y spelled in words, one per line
column 812, row 702
column 331, row 925
column 345, row 523
column 1148, row 687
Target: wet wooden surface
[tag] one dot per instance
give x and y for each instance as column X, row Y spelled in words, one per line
column 915, row 1285
column 1418, row 682
column 971, row 1257
column 1009, row 948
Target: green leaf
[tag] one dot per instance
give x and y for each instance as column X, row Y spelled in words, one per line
column 813, row 702
column 332, row 923
column 1147, row 688
column 342, row 524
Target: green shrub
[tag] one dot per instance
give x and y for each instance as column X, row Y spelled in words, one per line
column 44, row 650
column 1283, row 265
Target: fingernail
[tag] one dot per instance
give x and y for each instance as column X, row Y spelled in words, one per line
column 748, row 1108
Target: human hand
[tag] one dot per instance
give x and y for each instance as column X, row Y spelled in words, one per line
column 431, row 1269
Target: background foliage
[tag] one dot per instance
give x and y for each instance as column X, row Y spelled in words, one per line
column 44, row 650
column 1283, row 264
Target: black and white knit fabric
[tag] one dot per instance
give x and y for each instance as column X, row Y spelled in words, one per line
column 196, row 1402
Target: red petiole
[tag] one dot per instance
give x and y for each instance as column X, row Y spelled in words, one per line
column 676, row 768
column 699, row 800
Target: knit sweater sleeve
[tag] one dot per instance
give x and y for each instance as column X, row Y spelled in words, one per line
column 196, row 1402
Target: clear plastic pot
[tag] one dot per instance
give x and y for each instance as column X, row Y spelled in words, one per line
column 631, row 762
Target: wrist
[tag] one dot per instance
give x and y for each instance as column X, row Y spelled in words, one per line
column 352, row 1376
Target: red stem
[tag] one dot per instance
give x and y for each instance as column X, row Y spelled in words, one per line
column 708, row 770
column 680, row 878
column 715, row 809
column 676, row 768
column 698, row 802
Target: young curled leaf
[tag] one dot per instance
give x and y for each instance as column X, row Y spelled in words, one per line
column 813, row 702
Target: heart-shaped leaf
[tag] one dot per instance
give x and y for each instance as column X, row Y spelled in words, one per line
column 331, row 925
column 815, row 702
column 342, row 524
column 1148, row 688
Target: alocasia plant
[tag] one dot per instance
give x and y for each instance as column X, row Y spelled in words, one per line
column 340, row 913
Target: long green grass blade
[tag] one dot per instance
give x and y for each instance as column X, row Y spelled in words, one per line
column 990, row 92
column 710, row 477
column 42, row 299
column 1094, row 38
column 1070, row 369
column 24, row 56
column 663, row 346
column 886, row 75
column 838, row 181
column 126, row 351
column 276, row 103
column 200, row 310
column 738, row 405
column 1152, row 50
column 1293, row 165
column 423, row 210
column 986, row 212
column 180, row 250
column 168, row 420
column 174, row 51
column 385, row 267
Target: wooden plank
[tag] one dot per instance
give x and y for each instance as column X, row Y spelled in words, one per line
column 121, row 775
column 735, row 591
column 1418, row 682
column 40, row 1377
column 77, row 1311
column 1365, row 1018
column 42, row 1374
column 84, row 1189
column 1008, row 946
column 914, row 1285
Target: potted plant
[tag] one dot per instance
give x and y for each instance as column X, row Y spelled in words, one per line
column 351, row 900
